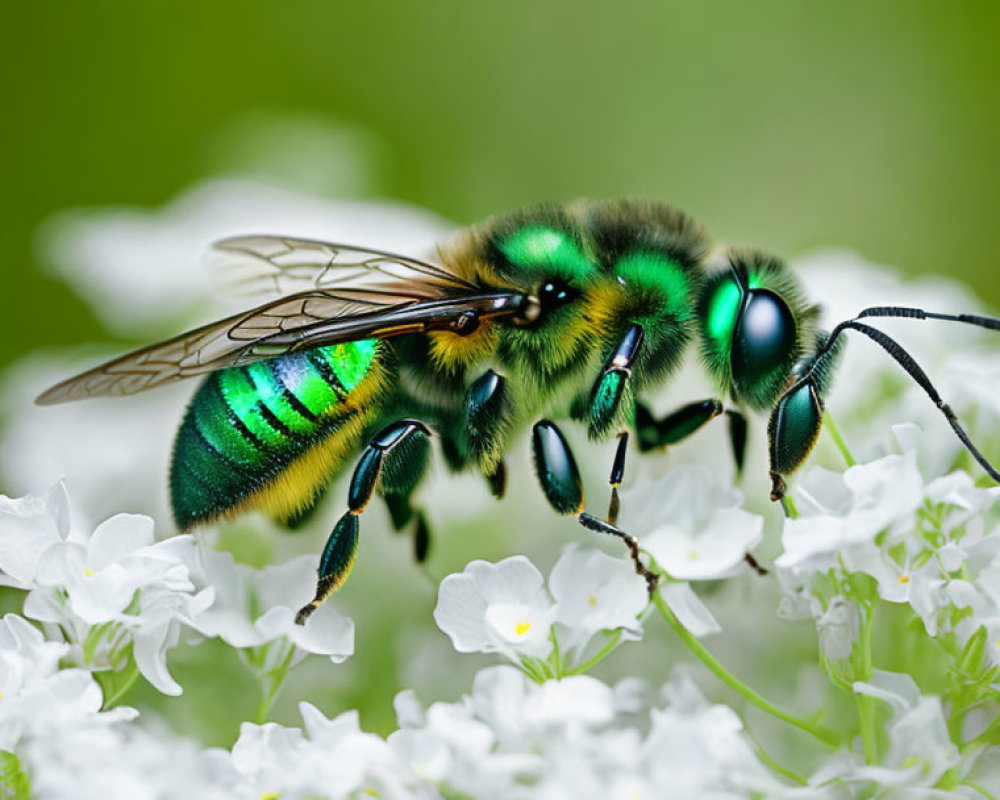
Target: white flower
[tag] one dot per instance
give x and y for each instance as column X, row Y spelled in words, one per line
column 255, row 607
column 843, row 511
column 330, row 758
column 691, row 524
column 135, row 761
column 28, row 525
column 100, row 577
column 690, row 611
column 106, row 588
column 448, row 744
column 838, row 628
column 595, row 592
column 37, row 699
column 497, row 608
column 920, row 750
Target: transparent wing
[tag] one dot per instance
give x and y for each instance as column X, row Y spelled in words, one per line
column 308, row 319
column 281, row 265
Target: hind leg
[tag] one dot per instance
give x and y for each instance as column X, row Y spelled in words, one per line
column 383, row 462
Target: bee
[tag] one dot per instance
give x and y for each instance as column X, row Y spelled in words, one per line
column 571, row 312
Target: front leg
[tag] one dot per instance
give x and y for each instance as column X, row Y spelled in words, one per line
column 605, row 408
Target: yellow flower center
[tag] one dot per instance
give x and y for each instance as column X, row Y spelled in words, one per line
column 269, row 796
column 522, row 628
column 593, row 601
column 904, row 578
column 693, row 555
column 88, row 572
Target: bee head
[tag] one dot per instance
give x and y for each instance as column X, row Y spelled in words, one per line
column 755, row 327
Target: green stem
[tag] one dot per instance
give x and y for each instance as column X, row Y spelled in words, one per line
column 788, row 506
column 533, row 669
column 271, row 684
column 838, row 440
column 556, row 658
column 131, row 676
column 822, row 734
column 867, row 720
column 867, row 711
column 981, row 790
column 766, row 758
column 599, row 655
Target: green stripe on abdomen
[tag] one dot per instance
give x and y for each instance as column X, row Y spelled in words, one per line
column 247, row 424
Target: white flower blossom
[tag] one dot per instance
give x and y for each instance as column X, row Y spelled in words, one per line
column 595, row 592
column 37, row 698
column 256, row 607
column 110, row 587
column 501, row 607
column 920, row 750
column 691, row 524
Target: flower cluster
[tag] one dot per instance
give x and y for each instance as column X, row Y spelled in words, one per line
column 505, row 608
column 118, row 600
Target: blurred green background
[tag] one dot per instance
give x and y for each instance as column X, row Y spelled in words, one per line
column 779, row 124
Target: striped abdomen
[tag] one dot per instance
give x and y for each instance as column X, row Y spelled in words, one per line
column 270, row 435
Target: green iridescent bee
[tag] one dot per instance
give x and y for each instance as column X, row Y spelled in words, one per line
column 561, row 311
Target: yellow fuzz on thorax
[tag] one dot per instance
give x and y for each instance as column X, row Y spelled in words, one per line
column 450, row 352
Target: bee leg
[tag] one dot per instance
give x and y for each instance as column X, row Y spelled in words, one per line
column 592, row 523
column 488, row 416
column 389, row 459
column 611, row 394
column 617, row 475
column 497, row 479
column 560, row 479
column 686, row 421
column 737, row 438
column 652, row 433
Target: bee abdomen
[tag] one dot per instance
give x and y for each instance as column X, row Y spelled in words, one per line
column 247, row 428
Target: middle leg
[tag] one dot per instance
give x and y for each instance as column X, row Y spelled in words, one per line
column 560, row 479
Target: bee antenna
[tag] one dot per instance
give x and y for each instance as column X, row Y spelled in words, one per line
column 913, row 369
column 902, row 312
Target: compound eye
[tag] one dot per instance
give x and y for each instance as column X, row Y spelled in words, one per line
column 555, row 293
column 765, row 337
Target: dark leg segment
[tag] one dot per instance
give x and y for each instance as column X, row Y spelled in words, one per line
column 617, row 475
column 675, row 427
column 686, row 421
column 497, row 480
column 556, row 469
column 593, row 523
column 738, row 438
column 341, row 548
column 560, row 480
